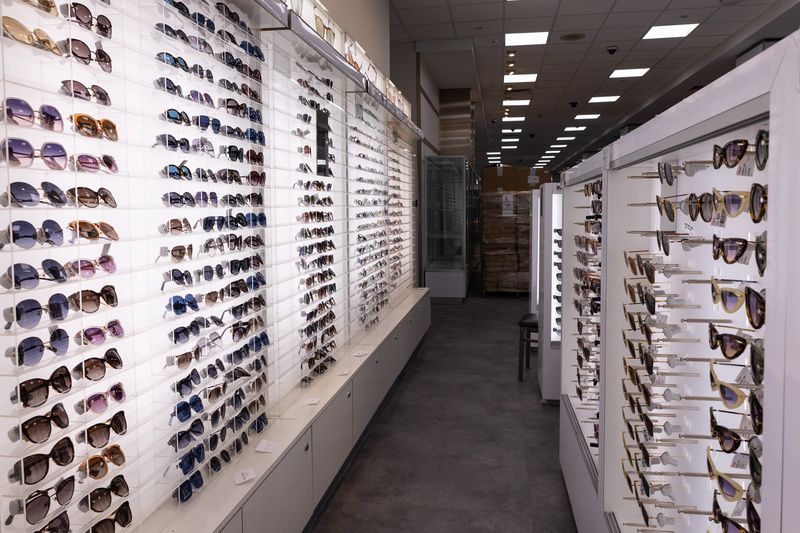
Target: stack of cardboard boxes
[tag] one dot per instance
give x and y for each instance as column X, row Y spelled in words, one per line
column 506, row 243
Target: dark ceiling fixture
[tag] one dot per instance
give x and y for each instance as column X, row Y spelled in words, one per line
column 569, row 37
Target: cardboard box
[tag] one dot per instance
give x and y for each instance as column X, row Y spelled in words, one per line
column 507, row 178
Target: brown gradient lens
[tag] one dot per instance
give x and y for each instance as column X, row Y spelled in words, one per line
column 756, row 305
column 178, row 253
column 706, row 206
column 758, row 202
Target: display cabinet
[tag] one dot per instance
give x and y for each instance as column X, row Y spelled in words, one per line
column 451, row 225
column 691, row 402
column 551, row 274
column 181, row 236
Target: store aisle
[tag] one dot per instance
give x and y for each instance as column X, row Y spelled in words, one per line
column 460, row 445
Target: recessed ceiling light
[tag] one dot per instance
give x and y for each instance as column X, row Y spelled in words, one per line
column 510, row 63
column 510, row 72
column 511, row 53
column 518, row 130
column 565, row 138
column 670, row 31
column 552, row 151
column 509, row 89
column 492, row 153
column 516, row 102
column 558, row 146
column 509, row 147
column 629, row 73
column 547, row 157
column 603, row 99
column 526, row 38
column 513, row 119
column 590, row 116
column 510, row 140
column 575, row 128
column 519, row 78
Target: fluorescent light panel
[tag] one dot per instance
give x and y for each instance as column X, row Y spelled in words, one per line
column 516, row 102
column 510, row 140
column 518, row 130
column 603, row 99
column 513, row 119
column 565, row 138
column 519, row 78
column 671, row 31
column 629, row 73
column 590, row 116
column 509, row 147
column 552, row 151
column 575, row 128
column 526, row 38
column 558, row 146
column 492, row 153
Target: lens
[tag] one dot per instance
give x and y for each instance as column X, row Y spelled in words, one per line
column 19, row 112
column 756, row 307
column 18, row 152
column 59, row 524
column 758, row 202
column 76, row 89
column 706, row 206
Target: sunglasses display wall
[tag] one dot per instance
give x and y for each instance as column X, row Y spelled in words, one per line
column 181, row 233
column 550, row 259
column 693, row 414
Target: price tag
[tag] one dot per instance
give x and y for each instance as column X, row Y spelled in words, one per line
column 312, row 401
column 740, row 461
column 745, row 377
column 344, row 372
column 265, row 446
column 745, row 423
column 359, row 353
column 746, row 256
column 658, row 379
column 745, row 167
column 688, row 227
column 719, row 219
column 243, row 476
column 739, row 509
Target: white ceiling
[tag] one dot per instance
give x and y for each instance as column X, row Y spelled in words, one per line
column 575, row 71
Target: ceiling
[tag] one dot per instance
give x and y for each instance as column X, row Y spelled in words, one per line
column 570, row 72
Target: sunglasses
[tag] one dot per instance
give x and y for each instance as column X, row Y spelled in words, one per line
column 22, row 114
column 194, row 456
column 36, row 38
column 38, row 428
column 98, row 402
column 732, row 394
column 99, row 499
column 729, row 440
column 171, row 143
column 733, row 299
column 93, row 231
column 81, row 51
column 185, row 490
column 732, row 153
column 31, row 349
column 97, row 335
column 173, row 61
column 81, row 14
column 34, row 468
column 18, row 152
column 25, row 276
column 730, row 489
column 78, row 90
column 183, row 438
column 94, row 368
column 25, row 235
column 97, row 466
column 37, row 504
column 181, row 304
column 183, row 409
column 87, row 268
column 90, row 163
column 167, row 85
column 204, row 122
column 89, row 198
column 99, row 434
column 35, row 392
column 89, row 301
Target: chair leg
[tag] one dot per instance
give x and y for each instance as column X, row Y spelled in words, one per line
column 528, row 341
column 521, row 354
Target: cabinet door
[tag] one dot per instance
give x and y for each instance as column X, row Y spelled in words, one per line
column 283, row 502
column 366, row 392
column 234, row 525
column 422, row 319
column 332, row 435
column 388, row 365
column 405, row 336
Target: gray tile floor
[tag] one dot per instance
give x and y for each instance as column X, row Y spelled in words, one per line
column 459, row 445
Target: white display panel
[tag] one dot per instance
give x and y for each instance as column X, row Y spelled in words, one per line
column 214, row 285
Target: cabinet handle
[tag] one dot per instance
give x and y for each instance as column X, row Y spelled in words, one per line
column 349, row 394
column 377, row 360
column 307, row 446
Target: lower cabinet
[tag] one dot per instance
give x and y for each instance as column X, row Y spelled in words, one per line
column 332, row 435
column 234, row 525
column 284, row 501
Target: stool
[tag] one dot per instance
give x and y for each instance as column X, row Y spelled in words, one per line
column 528, row 336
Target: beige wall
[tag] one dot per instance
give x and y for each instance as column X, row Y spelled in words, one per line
column 368, row 22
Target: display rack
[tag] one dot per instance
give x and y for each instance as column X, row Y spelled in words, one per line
column 537, row 288
column 216, row 274
column 550, row 250
column 662, row 420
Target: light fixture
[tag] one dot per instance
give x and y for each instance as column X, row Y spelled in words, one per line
column 603, row 99
column 492, row 153
column 510, row 140
column 511, row 53
column 509, row 147
column 558, row 146
column 526, row 38
column 670, row 31
column 552, row 151
column 519, row 78
column 509, row 89
column 513, row 119
column 565, row 138
column 629, row 73
column 516, row 102
column 547, row 157
column 575, row 128
column 518, row 130
column 510, row 63
column 510, row 72
column 590, row 116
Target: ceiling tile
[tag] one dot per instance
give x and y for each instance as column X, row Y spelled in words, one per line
column 529, row 24
column 584, row 7
column 494, row 54
column 473, row 29
column 636, row 5
column 686, row 16
column 433, row 15
column 631, row 20
column 563, row 59
column 568, row 48
column 579, row 22
column 531, row 8
column 702, row 41
column 689, row 4
column 739, row 12
column 646, row 57
column 394, row 20
column 621, row 34
column 557, row 68
column 600, row 46
column 489, row 41
column 409, row 4
column 431, row 31
column 398, row 33
column 718, row 28
column 478, row 12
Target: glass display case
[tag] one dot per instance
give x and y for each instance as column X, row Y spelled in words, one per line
column 452, row 224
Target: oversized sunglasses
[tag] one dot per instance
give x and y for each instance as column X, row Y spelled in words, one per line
column 96, row 466
column 93, row 231
column 22, row 114
column 36, row 38
column 732, row 153
column 91, row 127
column 77, row 89
column 18, row 152
column 36, row 391
column 83, row 54
column 81, row 14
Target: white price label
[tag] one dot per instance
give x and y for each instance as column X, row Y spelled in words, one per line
column 344, row 372
column 265, row 446
column 312, row 401
column 745, row 377
column 745, row 167
column 243, row 476
column 719, row 219
column 745, row 423
column 746, row 256
column 740, row 461
column 359, row 353
column 739, row 509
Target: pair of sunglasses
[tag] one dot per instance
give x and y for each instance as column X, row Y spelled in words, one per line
column 77, row 89
column 93, row 231
column 81, row 14
column 37, row 503
column 83, row 54
column 37, row 38
column 730, row 250
column 733, row 299
column 100, row 499
column 732, row 153
column 18, row 152
column 21, row 113
column 97, row 466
